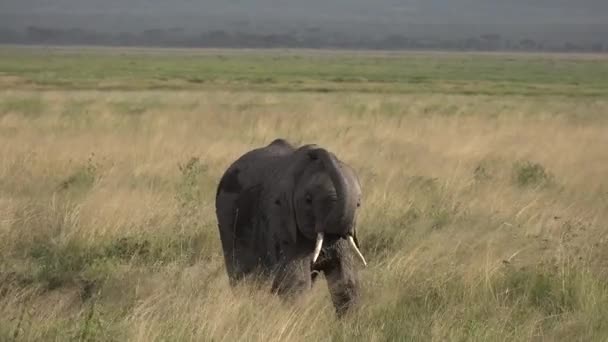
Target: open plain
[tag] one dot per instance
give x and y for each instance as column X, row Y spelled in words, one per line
column 485, row 182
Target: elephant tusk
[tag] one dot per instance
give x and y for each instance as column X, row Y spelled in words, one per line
column 352, row 243
column 318, row 246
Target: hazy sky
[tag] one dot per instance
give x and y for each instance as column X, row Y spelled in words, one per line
column 540, row 18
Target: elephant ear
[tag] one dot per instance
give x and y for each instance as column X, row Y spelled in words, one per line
column 355, row 182
column 298, row 162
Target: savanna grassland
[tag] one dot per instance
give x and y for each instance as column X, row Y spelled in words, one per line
column 484, row 216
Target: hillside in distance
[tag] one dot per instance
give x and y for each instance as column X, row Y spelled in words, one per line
column 557, row 21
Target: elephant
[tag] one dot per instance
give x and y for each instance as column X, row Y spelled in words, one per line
column 288, row 214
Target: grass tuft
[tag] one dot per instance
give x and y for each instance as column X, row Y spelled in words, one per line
column 527, row 173
column 30, row 107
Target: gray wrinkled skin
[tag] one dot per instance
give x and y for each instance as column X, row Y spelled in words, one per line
column 270, row 205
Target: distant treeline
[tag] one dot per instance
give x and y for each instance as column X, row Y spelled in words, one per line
column 311, row 38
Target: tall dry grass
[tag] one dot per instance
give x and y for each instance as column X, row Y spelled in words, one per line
column 484, row 218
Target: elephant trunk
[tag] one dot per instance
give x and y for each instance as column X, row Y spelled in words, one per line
column 339, row 219
column 341, row 275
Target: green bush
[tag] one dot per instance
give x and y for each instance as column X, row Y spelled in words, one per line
column 526, row 173
column 83, row 178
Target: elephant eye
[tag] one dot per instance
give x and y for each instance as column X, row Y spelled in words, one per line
column 308, row 199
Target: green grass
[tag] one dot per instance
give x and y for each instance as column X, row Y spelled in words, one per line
column 483, row 215
column 29, row 106
column 368, row 72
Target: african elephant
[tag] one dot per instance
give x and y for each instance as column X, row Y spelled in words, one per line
column 288, row 214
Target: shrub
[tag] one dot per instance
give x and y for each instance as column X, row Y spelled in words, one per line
column 526, row 173
column 83, row 177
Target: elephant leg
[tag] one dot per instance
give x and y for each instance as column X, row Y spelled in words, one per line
column 238, row 223
column 292, row 278
column 227, row 214
column 341, row 276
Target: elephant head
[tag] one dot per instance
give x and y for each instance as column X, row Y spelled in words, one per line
column 321, row 197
